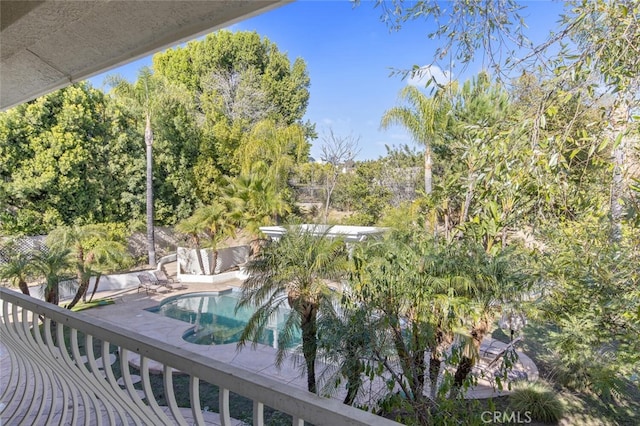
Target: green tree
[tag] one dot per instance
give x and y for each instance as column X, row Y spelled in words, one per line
column 18, row 270
column 57, row 151
column 240, row 60
column 149, row 95
column 257, row 201
column 216, row 222
column 410, row 310
column 237, row 96
column 93, row 250
column 294, row 271
column 366, row 190
column 375, row 186
column 345, row 343
column 175, row 154
column 593, row 307
column 607, row 37
column 483, row 161
column 430, row 302
column 143, row 94
column 495, row 281
column 194, row 227
column 424, row 118
column 567, row 161
column 592, row 54
column 273, row 150
column 55, row 266
column 237, row 80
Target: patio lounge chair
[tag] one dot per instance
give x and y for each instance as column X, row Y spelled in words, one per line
column 163, row 279
column 147, row 283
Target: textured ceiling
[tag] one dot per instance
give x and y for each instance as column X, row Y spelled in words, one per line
column 46, row 45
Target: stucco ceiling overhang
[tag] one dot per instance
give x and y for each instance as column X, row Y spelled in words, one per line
column 46, row 45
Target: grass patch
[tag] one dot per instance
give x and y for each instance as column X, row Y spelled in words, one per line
column 540, row 400
column 81, row 306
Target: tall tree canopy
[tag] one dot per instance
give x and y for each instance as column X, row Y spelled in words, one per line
column 239, row 66
column 63, row 161
column 239, row 81
column 77, row 157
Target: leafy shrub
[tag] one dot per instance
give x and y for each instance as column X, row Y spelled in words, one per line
column 539, row 400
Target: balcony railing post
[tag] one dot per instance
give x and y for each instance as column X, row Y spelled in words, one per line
column 223, row 408
column 258, row 413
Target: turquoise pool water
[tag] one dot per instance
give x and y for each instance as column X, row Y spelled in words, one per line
column 214, row 319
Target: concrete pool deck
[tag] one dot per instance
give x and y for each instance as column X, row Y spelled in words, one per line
column 130, row 310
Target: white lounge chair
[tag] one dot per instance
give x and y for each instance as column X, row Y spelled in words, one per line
column 163, row 279
column 147, row 283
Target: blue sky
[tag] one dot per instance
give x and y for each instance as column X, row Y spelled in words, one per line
column 350, row 54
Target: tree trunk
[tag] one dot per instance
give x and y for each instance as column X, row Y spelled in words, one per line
column 199, row 254
column 478, row 332
column 463, row 370
column 467, row 202
column 200, row 261
column 148, row 139
column 310, row 345
column 256, row 247
column 82, row 289
column 24, row 288
column 434, row 373
column 411, row 368
column 616, row 195
column 51, row 293
column 331, row 184
column 214, row 262
column 428, row 163
column 446, row 225
column 83, row 279
column 95, row 287
column 353, row 373
column 443, row 341
column 419, row 363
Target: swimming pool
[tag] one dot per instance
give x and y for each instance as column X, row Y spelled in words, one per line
column 214, row 319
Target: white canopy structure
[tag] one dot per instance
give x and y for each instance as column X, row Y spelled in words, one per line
column 350, row 234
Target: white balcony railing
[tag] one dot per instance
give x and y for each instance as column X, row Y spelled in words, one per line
column 55, row 377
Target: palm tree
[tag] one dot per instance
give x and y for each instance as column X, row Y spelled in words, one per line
column 275, row 150
column 293, row 271
column 425, row 118
column 220, row 222
column 346, row 340
column 53, row 265
column 92, row 251
column 148, row 95
column 17, row 270
column 494, row 280
column 420, row 292
column 410, row 290
column 216, row 221
column 194, row 227
column 258, row 200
